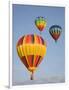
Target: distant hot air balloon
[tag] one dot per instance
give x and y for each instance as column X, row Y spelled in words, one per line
column 31, row 49
column 55, row 32
column 40, row 23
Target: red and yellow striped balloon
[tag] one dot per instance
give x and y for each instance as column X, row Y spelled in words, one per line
column 31, row 49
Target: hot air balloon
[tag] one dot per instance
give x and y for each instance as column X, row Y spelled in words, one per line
column 31, row 49
column 55, row 32
column 40, row 23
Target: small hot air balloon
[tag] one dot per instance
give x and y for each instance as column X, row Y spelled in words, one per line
column 55, row 32
column 31, row 49
column 40, row 23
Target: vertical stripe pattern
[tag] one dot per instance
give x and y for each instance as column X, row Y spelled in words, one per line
column 55, row 31
column 31, row 50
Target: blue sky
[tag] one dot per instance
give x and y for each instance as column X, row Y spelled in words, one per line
column 53, row 63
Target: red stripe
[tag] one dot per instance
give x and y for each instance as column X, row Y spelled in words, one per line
column 39, row 61
column 20, row 41
column 30, row 60
column 36, row 60
column 24, row 61
column 28, row 39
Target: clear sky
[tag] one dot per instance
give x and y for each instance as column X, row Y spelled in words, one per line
column 53, row 63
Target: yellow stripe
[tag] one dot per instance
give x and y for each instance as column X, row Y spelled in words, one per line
column 25, row 50
column 19, row 52
column 21, row 49
column 33, row 49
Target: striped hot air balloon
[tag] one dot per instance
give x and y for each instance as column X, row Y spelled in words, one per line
column 40, row 23
column 55, row 32
column 31, row 49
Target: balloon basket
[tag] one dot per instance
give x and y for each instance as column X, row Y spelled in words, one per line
column 32, row 77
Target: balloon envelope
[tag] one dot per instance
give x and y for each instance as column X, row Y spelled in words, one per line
column 40, row 23
column 55, row 31
column 31, row 49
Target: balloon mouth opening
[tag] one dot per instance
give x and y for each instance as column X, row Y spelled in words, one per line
column 32, row 69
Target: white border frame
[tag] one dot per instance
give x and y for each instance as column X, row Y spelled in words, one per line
column 40, row 3
column 10, row 44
